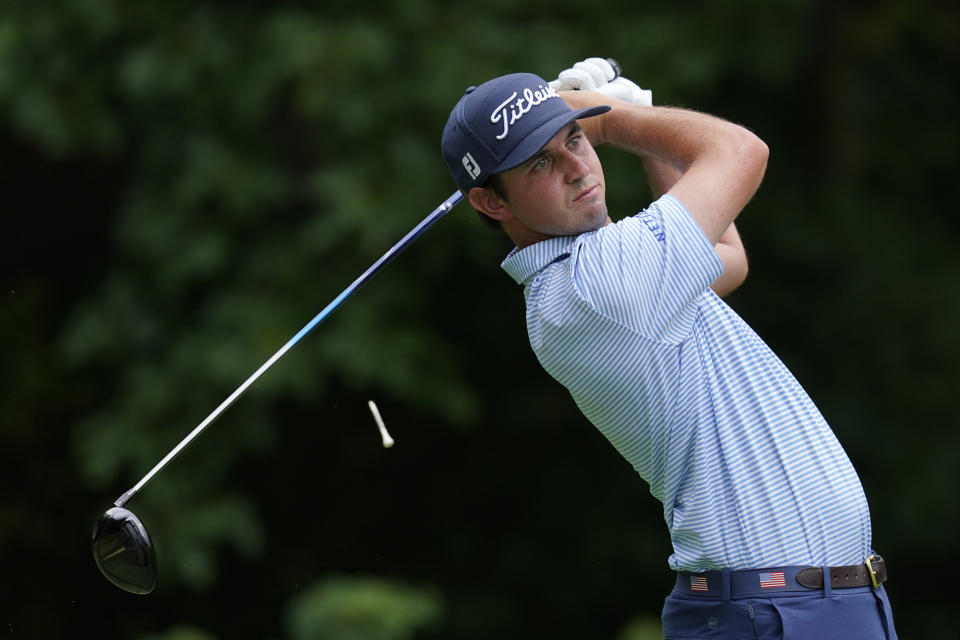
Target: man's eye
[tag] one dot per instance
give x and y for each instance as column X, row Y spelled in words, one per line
column 573, row 142
column 541, row 164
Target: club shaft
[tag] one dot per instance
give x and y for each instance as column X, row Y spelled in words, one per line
column 385, row 259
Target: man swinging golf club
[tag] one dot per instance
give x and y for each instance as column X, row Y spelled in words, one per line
column 768, row 521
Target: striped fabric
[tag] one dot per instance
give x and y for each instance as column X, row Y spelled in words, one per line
column 749, row 473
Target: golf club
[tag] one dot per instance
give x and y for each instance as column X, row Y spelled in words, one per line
column 121, row 545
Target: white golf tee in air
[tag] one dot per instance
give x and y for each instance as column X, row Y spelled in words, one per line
column 387, row 440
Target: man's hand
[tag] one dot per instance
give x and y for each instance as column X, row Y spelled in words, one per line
column 597, row 74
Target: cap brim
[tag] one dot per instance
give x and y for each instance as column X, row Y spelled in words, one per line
column 540, row 136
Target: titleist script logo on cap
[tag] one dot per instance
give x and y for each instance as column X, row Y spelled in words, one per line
column 509, row 112
column 520, row 107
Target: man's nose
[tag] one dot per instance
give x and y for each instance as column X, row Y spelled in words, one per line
column 574, row 168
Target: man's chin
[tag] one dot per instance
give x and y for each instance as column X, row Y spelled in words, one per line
column 599, row 220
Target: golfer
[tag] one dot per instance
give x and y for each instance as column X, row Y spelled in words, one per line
column 768, row 521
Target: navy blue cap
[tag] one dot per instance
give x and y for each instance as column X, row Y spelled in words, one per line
column 501, row 124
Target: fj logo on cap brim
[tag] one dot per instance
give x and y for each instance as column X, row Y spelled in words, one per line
column 473, row 169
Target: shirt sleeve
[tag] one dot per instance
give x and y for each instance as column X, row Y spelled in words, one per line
column 648, row 272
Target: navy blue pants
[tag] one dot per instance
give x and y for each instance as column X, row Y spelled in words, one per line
column 857, row 613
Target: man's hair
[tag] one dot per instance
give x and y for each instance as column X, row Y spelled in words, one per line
column 495, row 183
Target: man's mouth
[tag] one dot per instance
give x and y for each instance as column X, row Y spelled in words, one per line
column 588, row 193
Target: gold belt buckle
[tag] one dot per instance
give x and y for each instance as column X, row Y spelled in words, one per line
column 873, row 575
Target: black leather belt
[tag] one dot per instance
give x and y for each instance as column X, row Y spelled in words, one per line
column 871, row 573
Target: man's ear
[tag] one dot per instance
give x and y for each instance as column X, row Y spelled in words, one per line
column 489, row 203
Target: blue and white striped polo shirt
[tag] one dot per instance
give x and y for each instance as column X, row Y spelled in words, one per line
column 749, row 473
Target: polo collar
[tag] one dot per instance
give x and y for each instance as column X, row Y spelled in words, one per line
column 523, row 264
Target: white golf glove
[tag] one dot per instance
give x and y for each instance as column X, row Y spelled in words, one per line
column 596, row 74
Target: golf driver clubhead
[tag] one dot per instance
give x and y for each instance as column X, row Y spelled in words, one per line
column 121, row 544
column 123, row 551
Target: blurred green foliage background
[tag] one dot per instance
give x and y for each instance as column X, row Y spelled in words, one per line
column 185, row 184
